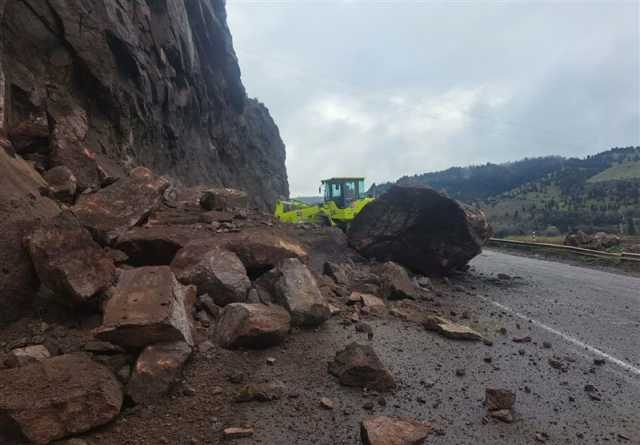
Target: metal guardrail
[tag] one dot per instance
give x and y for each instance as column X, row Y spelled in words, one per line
column 624, row 256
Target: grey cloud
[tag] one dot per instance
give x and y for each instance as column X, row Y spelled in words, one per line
column 388, row 89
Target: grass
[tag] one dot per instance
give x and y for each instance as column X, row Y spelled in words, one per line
column 627, row 170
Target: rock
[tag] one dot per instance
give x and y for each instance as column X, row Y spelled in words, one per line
column 113, row 210
column 383, row 430
column 525, row 339
column 365, row 328
column 30, row 135
column 58, row 397
column 252, row 325
column 449, row 329
column 359, row 365
column 505, row 415
column 147, row 306
column 62, row 184
column 223, row 199
column 68, row 261
column 156, row 369
column 497, row 399
column 215, row 271
column 102, row 347
column 24, row 356
column 209, row 305
column 374, row 304
column 138, row 108
column 599, row 241
column 396, row 283
column 293, row 286
column 261, row 249
column 237, row 432
column 420, row 229
column 21, row 209
column 327, row 403
column 425, row 283
column 157, row 245
column 261, row 392
column 593, row 392
column 339, row 272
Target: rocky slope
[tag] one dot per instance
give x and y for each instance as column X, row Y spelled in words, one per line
column 99, row 84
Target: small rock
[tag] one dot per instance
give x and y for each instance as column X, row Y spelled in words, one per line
column 368, row 406
column 326, row 403
column 271, row 361
column 359, row 365
column 27, row 355
column 460, row 372
column 393, row 431
column 499, row 399
column 504, row 415
column 593, row 392
column 599, row 361
column 156, row 369
column 261, row 392
column 238, row 432
column 541, row 437
column 252, row 325
column 525, row 339
column 102, row 347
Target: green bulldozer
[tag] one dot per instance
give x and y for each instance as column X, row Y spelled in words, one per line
column 343, row 199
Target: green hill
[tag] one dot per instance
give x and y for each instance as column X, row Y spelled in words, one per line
column 620, row 172
column 552, row 194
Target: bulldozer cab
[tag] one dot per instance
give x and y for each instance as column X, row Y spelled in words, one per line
column 343, row 191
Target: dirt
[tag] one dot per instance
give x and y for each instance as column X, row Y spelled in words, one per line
column 439, row 380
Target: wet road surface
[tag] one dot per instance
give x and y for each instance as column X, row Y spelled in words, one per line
column 573, row 316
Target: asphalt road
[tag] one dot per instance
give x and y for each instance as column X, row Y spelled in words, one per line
column 573, row 315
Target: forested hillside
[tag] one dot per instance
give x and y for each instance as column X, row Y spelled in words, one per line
column 551, row 194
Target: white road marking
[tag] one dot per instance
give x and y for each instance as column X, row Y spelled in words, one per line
column 621, row 363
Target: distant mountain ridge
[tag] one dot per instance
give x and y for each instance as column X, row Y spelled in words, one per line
column 599, row 192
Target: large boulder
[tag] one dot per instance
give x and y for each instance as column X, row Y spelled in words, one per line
column 383, row 430
column 252, row 326
column 156, row 369
column 22, row 208
column 259, row 248
column 58, row 397
column 215, row 271
column 359, row 365
column 293, row 286
column 421, row 229
column 68, row 261
column 223, row 199
column 147, row 306
column 113, row 210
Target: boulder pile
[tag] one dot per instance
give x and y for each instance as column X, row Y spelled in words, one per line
column 598, row 241
column 151, row 259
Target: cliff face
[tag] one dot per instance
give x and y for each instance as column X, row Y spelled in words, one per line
column 98, row 85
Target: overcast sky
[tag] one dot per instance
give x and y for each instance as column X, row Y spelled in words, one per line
column 386, row 89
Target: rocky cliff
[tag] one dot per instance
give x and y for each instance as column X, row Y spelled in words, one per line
column 104, row 85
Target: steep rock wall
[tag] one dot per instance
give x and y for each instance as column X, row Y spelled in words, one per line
column 98, row 85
